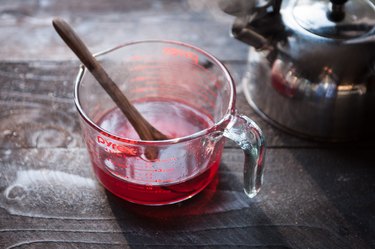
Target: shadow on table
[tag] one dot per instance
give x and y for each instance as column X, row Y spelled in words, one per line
column 345, row 175
column 215, row 218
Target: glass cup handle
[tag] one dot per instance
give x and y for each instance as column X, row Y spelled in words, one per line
column 246, row 133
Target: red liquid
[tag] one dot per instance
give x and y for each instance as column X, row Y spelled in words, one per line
column 147, row 184
column 159, row 194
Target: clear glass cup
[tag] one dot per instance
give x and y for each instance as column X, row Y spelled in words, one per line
column 188, row 95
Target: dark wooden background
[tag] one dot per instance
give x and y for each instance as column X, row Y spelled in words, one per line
column 315, row 195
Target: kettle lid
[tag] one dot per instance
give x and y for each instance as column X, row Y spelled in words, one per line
column 336, row 19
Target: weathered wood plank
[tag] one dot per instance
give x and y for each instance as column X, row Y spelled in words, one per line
column 315, row 195
column 42, row 92
column 106, row 24
column 310, row 199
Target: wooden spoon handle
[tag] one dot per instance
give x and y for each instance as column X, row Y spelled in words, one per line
column 144, row 129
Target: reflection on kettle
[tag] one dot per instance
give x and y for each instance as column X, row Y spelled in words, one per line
column 311, row 65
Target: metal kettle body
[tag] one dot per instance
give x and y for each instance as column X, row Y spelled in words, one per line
column 311, row 85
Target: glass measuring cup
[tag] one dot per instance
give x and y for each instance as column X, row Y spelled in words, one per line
column 188, row 95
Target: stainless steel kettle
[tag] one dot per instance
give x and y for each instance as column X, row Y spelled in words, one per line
column 311, row 65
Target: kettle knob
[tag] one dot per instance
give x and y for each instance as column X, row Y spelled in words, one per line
column 337, row 13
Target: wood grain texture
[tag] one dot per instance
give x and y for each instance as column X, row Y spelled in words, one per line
column 105, row 25
column 297, row 208
column 314, row 195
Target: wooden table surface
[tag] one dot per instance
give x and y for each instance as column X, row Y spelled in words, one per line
column 314, row 195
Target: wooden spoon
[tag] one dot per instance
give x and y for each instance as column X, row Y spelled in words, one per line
column 144, row 129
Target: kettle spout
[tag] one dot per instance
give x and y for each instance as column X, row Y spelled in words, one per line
column 261, row 27
column 244, row 33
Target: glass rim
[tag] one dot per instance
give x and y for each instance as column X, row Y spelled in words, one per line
column 226, row 117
